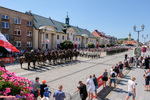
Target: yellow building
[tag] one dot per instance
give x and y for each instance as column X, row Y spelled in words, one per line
column 48, row 33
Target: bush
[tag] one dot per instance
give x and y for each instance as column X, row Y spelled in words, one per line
column 102, row 45
column 112, row 45
column 91, row 45
column 66, row 45
column 108, row 45
column 12, row 85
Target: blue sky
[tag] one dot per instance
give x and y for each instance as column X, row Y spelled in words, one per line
column 113, row 17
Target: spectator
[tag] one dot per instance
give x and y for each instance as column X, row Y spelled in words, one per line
column 131, row 88
column 83, row 91
column 96, row 84
column 121, row 68
column 126, row 56
column 35, row 86
column 47, row 94
column 113, row 76
column 147, row 79
column 91, row 88
column 42, row 86
column 105, row 78
column 112, row 67
column 59, row 94
column 117, row 69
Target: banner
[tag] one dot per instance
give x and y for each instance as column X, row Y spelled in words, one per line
column 100, row 81
column 8, row 59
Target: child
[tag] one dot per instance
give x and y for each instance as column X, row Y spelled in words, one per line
column 42, row 86
column 47, row 94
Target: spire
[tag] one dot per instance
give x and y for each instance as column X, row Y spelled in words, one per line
column 129, row 34
column 67, row 19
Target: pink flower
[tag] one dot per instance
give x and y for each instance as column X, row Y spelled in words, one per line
column 30, row 88
column 5, row 93
column 21, row 92
column 16, row 84
column 2, row 69
column 4, row 76
column 1, row 92
column 7, row 90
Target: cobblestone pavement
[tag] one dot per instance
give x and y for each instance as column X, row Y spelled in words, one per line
column 69, row 74
column 121, row 91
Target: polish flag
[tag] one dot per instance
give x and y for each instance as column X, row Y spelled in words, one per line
column 8, row 46
column 47, row 40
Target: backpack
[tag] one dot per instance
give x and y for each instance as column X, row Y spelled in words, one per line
column 113, row 75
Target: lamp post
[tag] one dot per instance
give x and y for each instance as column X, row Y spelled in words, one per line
column 43, row 31
column 144, row 37
column 134, row 27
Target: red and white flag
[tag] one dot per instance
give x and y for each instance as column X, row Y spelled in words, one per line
column 8, row 46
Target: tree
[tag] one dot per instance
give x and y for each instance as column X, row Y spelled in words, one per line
column 91, row 45
column 66, row 45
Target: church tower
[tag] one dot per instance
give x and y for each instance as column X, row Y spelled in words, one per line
column 67, row 20
column 129, row 37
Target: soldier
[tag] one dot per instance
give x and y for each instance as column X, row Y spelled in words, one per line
column 26, row 55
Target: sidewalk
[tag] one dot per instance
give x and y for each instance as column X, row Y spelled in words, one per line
column 120, row 92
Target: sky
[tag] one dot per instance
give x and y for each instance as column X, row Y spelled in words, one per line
column 113, row 17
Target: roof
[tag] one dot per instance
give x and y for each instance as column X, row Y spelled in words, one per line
column 59, row 26
column 96, row 33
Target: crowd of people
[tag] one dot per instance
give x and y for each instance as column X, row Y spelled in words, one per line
column 43, row 91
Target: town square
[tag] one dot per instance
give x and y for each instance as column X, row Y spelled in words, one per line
column 74, row 50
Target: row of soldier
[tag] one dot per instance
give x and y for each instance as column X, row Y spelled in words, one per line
column 55, row 56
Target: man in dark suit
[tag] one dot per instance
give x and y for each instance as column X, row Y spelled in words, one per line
column 147, row 62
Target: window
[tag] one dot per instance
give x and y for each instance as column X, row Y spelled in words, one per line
column 5, row 25
column 73, row 37
column 29, row 33
column 29, row 44
column 29, row 23
column 17, row 32
column 68, row 36
column 76, row 38
column 17, row 20
column 63, row 37
column 79, row 39
column 46, row 36
column 6, row 36
column 58, row 37
column 18, row 43
column 5, row 17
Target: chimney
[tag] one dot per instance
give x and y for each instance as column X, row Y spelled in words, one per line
column 49, row 17
column 96, row 30
column 29, row 11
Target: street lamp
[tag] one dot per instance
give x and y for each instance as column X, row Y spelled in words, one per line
column 144, row 37
column 134, row 27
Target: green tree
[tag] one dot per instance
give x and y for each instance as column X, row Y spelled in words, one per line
column 66, row 45
column 91, row 45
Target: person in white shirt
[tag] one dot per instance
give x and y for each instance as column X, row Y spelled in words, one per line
column 131, row 88
column 113, row 76
column 91, row 88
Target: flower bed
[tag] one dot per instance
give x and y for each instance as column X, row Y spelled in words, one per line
column 12, row 85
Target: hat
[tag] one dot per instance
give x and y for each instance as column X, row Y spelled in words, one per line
column 133, row 78
column 44, row 81
column 46, row 88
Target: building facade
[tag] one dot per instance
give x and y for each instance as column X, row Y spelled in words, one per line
column 101, row 38
column 49, row 33
column 17, row 27
column 111, row 39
